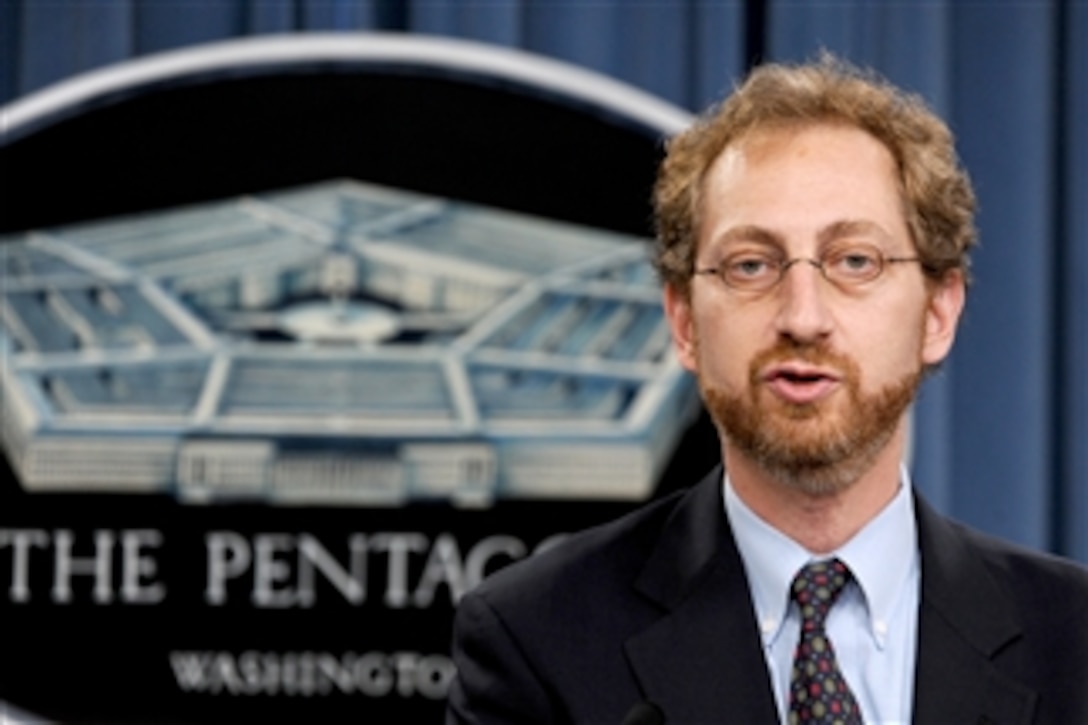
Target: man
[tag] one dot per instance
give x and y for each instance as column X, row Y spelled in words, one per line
column 813, row 242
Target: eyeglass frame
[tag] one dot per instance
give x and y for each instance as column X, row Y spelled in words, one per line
column 820, row 263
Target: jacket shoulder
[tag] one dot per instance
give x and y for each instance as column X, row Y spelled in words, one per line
column 1043, row 583
column 608, row 555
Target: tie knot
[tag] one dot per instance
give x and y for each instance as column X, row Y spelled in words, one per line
column 817, row 586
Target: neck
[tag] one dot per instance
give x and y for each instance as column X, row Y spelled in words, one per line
column 820, row 523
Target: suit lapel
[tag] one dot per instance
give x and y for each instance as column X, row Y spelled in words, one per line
column 965, row 619
column 702, row 660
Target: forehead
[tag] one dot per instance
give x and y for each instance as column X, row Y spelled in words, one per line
column 799, row 142
column 799, row 179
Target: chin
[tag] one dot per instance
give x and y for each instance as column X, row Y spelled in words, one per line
column 823, row 465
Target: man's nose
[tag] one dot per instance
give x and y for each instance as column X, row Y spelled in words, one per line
column 803, row 314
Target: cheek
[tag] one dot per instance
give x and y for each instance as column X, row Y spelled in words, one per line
column 722, row 351
column 893, row 350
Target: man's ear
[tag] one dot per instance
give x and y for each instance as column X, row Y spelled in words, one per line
column 678, row 312
column 946, row 301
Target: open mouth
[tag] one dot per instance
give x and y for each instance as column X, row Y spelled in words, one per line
column 794, row 377
column 801, row 383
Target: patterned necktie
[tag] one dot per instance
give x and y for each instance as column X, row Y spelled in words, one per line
column 818, row 693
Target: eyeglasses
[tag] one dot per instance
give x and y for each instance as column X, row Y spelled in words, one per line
column 848, row 267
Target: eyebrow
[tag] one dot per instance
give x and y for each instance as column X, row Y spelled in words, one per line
column 851, row 228
column 834, row 231
column 752, row 233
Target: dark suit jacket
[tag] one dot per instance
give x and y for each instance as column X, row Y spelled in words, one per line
column 656, row 606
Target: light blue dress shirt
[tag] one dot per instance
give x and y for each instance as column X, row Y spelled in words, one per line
column 873, row 626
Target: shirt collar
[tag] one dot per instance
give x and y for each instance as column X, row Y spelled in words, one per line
column 883, row 556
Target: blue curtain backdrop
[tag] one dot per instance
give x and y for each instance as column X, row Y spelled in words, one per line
column 1002, row 433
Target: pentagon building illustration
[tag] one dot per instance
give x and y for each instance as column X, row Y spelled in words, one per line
column 341, row 344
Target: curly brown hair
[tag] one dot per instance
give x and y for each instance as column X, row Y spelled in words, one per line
column 937, row 197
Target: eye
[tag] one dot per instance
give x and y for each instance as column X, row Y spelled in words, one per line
column 858, row 263
column 744, row 269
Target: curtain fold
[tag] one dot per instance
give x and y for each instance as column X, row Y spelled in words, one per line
column 1005, row 104
column 1001, row 433
column 1072, row 261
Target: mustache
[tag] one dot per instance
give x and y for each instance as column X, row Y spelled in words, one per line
column 816, row 354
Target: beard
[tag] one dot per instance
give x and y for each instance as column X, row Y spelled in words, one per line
column 819, row 448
